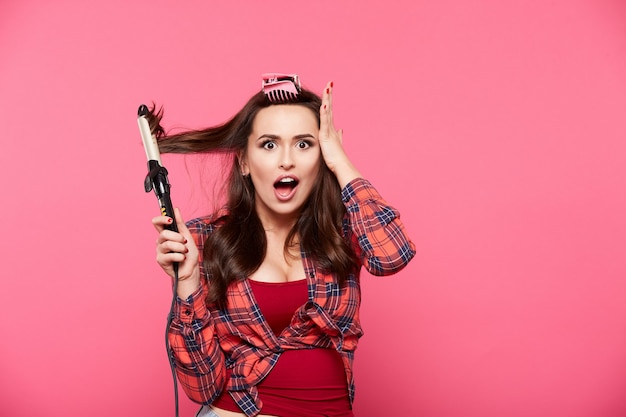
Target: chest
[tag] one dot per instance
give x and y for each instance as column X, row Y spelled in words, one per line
column 278, row 266
column 327, row 311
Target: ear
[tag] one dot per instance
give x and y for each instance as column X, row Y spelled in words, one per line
column 243, row 163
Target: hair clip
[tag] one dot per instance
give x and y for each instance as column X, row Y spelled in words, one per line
column 281, row 88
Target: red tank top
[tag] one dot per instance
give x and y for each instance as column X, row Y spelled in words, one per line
column 303, row 383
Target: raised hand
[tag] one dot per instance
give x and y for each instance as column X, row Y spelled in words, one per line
column 331, row 142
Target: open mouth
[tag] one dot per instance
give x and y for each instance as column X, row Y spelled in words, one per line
column 285, row 186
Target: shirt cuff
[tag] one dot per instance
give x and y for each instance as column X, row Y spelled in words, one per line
column 192, row 308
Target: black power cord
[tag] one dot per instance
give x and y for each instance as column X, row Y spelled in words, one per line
column 170, row 351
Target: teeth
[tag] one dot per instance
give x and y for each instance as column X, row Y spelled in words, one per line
column 287, row 180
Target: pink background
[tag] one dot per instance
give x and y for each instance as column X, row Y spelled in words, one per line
column 497, row 128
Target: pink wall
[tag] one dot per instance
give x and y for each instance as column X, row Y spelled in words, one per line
column 496, row 127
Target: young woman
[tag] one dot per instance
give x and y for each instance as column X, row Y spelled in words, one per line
column 267, row 316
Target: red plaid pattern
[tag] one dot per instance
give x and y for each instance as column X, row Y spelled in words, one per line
column 205, row 341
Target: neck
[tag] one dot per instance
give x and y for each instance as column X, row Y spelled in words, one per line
column 277, row 228
column 278, row 225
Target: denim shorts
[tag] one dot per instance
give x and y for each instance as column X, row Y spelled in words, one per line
column 206, row 411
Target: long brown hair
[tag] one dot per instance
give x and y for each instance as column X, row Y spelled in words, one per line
column 237, row 248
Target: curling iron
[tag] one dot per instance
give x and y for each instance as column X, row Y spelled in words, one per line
column 157, row 174
column 157, row 180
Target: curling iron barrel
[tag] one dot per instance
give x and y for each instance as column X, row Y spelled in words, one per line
column 157, row 174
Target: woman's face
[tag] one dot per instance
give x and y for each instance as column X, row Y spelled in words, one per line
column 283, row 159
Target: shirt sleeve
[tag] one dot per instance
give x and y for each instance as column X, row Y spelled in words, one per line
column 375, row 229
column 199, row 360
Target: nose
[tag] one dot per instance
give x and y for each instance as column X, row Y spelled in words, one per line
column 286, row 159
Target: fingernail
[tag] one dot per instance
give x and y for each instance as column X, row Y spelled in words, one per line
column 185, row 241
column 324, row 106
column 169, row 220
column 327, row 90
column 331, row 83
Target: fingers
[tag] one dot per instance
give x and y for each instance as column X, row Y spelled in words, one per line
column 170, row 249
column 160, row 222
column 169, row 242
column 328, row 93
column 175, row 247
column 168, row 238
column 180, row 223
column 326, row 109
column 331, row 142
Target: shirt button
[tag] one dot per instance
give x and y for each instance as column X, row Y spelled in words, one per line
column 187, row 312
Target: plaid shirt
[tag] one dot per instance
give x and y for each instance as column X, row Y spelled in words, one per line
column 205, row 341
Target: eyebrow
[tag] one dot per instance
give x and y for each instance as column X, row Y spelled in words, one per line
column 274, row 137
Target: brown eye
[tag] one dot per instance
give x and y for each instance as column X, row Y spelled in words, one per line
column 269, row 145
column 303, row 144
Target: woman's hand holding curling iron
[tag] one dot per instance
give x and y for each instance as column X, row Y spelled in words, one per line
column 179, row 247
column 331, row 142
